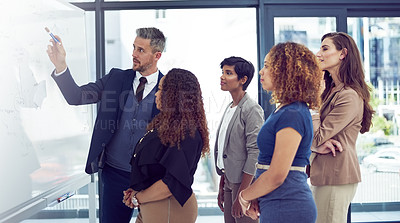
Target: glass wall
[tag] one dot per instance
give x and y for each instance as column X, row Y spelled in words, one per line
column 304, row 30
column 198, row 43
column 91, row 42
column 379, row 150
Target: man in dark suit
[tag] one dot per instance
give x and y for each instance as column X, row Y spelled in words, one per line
column 127, row 105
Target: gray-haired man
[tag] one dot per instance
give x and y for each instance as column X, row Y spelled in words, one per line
column 127, row 105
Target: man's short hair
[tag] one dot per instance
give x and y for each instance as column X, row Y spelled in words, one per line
column 156, row 37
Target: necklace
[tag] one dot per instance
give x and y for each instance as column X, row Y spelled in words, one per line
column 141, row 139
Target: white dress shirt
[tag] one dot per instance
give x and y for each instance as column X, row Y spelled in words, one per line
column 222, row 134
column 150, row 84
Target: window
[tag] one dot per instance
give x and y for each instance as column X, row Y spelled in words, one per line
column 198, row 43
column 304, row 30
column 379, row 42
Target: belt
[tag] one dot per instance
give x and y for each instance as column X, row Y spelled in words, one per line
column 296, row 168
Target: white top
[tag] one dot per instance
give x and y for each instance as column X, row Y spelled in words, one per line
column 222, row 134
column 150, row 84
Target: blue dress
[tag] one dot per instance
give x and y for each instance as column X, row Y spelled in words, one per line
column 292, row 201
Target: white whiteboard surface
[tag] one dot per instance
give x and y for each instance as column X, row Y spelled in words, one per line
column 44, row 141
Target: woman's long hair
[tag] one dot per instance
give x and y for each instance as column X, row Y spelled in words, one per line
column 182, row 110
column 351, row 73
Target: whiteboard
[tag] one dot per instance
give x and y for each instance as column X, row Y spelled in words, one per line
column 44, row 141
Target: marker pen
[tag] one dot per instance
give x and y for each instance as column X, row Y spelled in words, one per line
column 52, row 36
column 65, row 196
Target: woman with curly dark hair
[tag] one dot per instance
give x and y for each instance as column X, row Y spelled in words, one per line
column 166, row 158
column 280, row 192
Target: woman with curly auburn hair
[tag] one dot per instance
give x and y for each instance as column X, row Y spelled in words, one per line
column 345, row 112
column 280, row 192
column 295, row 75
column 166, row 158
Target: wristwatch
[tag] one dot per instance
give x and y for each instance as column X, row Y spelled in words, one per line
column 135, row 201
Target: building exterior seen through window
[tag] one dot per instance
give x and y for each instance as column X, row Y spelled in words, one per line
column 379, row 42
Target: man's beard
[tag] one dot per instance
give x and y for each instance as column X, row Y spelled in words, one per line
column 141, row 68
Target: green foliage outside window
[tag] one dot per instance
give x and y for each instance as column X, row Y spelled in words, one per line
column 379, row 122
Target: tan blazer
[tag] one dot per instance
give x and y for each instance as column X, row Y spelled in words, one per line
column 340, row 119
column 240, row 150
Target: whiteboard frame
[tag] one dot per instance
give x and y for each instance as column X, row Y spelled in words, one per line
column 47, row 199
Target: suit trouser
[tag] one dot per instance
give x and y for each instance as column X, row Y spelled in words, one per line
column 230, row 194
column 168, row 211
column 333, row 202
column 114, row 182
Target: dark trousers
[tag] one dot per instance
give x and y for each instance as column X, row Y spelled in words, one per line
column 230, row 194
column 114, row 182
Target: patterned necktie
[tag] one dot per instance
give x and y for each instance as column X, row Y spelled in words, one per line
column 140, row 89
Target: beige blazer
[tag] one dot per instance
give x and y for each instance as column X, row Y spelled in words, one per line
column 240, row 150
column 340, row 119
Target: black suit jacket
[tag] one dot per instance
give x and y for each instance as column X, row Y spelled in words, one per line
column 111, row 91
